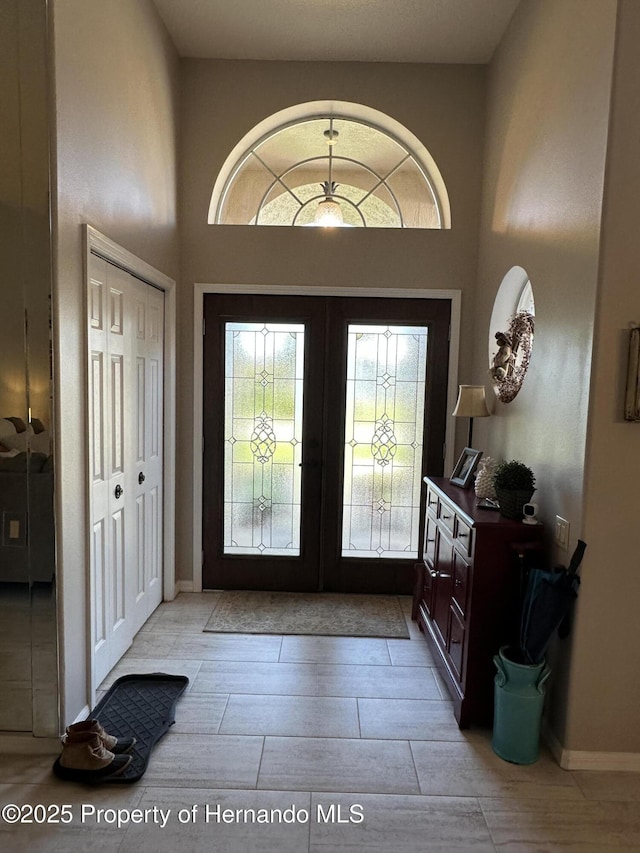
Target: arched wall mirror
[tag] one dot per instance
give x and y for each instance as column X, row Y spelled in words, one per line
column 28, row 624
column 511, row 334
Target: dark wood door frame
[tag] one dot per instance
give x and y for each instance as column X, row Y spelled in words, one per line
column 334, row 572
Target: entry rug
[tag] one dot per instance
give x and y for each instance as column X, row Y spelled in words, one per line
column 140, row 706
column 318, row 613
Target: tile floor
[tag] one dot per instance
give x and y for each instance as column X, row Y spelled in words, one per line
column 345, row 744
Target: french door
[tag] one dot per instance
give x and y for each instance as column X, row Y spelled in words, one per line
column 321, row 416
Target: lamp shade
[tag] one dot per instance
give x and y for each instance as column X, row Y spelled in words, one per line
column 471, row 402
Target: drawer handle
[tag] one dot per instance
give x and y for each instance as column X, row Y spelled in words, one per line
column 463, row 535
column 446, row 517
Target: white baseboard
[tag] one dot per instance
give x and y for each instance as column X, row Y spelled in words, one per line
column 22, row 743
column 184, row 586
column 580, row 759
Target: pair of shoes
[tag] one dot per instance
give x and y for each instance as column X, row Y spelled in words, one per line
column 116, row 745
column 85, row 758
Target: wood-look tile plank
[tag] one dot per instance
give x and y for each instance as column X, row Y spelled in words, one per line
column 336, row 650
column 203, row 761
column 398, row 824
column 471, row 768
column 391, row 682
column 211, row 834
column 408, row 719
column 244, row 647
column 291, row 716
column 294, row 679
column 554, row 824
column 330, row 764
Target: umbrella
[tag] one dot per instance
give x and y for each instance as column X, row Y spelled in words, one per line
column 547, row 601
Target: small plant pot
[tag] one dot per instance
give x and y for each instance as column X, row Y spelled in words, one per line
column 511, row 502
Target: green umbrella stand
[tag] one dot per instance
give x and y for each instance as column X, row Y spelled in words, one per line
column 519, row 698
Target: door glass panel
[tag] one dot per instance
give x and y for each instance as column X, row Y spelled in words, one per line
column 264, row 365
column 386, row 371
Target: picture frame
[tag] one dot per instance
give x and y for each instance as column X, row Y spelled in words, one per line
column 465, row 467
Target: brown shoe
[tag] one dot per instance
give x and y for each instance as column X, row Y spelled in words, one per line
column 87, row 755
column 116, row 745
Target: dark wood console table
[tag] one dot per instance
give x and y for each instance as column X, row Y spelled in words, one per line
column 466, row 594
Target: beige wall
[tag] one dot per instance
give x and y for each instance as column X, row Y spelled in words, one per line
column 116, row 92
column 222, row 100
column 547, row 123
column 603, row 695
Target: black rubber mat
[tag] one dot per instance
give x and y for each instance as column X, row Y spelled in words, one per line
column 139, row 706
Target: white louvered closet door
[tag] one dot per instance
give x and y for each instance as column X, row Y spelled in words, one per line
column 125, row 432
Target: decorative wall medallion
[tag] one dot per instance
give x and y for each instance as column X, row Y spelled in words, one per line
column 510, row 361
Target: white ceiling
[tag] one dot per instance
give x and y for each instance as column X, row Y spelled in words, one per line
column 457, row 31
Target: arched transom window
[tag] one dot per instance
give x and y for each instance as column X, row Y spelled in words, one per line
column 331, row 169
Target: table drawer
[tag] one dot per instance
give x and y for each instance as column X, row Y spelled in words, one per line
column 464, row 536
column 430, row 530
column 447, row 516
column 432, row 501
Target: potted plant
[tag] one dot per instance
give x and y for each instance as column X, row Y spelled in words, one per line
column 514, row 484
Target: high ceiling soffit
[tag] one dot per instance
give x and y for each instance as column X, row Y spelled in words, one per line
column 451, row 31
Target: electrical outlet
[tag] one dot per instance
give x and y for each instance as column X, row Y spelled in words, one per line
column 562, row 532
column 14, row 529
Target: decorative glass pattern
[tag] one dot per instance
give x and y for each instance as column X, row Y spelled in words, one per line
column 264, row 365
column 386, row 372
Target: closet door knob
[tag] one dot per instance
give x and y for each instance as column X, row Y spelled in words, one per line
column 141, row 478
column 118, row 491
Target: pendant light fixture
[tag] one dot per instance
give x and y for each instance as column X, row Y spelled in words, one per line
column 329, row 212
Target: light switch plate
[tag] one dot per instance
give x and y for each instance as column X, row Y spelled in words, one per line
column 562, row 532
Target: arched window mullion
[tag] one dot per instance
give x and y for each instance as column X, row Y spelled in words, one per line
column 434, row 194
column 383, row 182
column 270, row 187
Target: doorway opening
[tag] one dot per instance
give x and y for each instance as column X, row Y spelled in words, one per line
column 321, row 416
